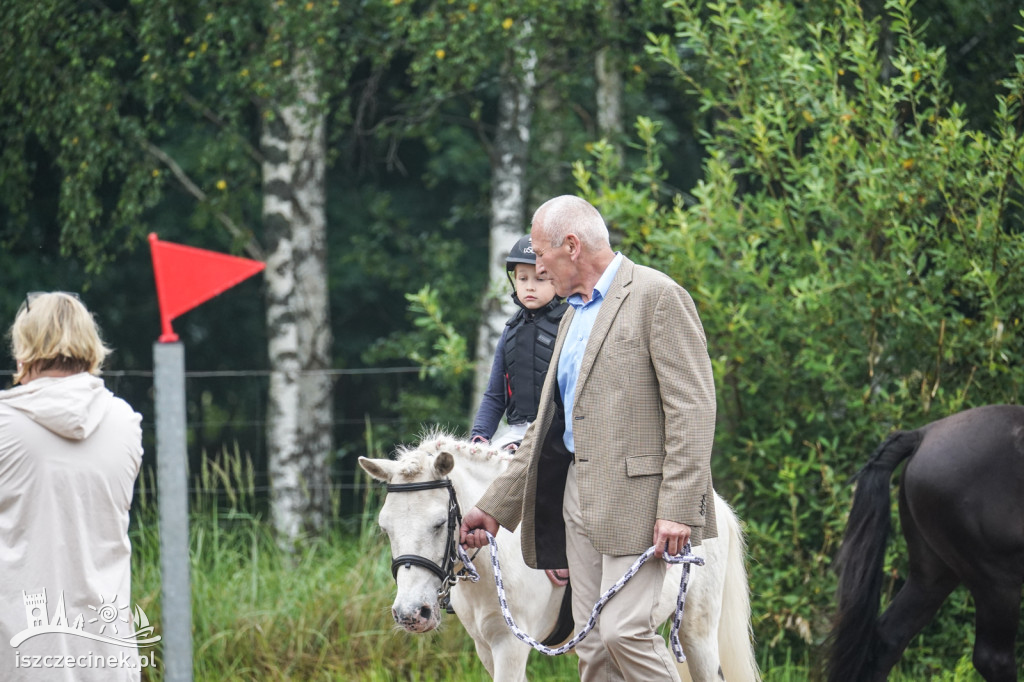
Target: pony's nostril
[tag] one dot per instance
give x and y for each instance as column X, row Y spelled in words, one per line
column 394, row 613
column 426, row 612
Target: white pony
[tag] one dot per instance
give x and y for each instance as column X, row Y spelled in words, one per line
column 715, row 633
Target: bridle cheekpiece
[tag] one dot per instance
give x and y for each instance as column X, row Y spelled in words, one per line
column 446, row 569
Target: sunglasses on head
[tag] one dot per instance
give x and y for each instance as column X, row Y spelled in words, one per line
column 33, row 295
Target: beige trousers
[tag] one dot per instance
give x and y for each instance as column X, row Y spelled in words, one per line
column 624, row 644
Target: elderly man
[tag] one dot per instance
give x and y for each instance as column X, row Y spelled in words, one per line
column 619, row 455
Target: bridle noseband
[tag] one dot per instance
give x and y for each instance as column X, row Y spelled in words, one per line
column 446, row 570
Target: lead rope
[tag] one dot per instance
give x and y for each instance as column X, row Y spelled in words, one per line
column 686, row 559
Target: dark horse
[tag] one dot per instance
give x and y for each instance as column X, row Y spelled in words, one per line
column 961, row 501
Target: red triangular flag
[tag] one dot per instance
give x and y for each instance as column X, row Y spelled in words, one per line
column 187, row 276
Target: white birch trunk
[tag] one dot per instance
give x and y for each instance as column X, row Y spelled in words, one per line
column 551, row 145
column 299, row 419
column 608, row 74
column 609, row 95
column 509, row 219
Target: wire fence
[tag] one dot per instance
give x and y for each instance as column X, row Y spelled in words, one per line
column 226, row 423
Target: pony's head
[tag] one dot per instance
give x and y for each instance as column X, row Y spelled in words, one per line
column 417, row 521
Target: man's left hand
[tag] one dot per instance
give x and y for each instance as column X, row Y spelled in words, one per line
column 670, row 536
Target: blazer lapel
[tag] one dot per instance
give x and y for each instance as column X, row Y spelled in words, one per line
column 617, row 293
column 563, row 331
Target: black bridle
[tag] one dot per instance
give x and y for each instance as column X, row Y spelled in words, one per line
column 446, row 569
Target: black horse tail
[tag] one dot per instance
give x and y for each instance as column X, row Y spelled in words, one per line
column 852, row 646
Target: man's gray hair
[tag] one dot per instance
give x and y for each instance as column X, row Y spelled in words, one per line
column 571, row 214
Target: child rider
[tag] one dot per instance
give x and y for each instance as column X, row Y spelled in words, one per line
column 521, row 358
column 523, row 352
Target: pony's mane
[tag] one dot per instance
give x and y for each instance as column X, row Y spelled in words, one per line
column 433, row 443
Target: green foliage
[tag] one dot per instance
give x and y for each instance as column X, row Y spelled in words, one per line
column 981, row 41
column 64, row 80
column 141, row 93
column 853, row 246
column 854, row 251
column 449, row 362
column 462, row 54
column 445, row 371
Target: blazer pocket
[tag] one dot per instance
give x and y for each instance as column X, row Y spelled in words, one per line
column 629, row 345
column 644, row 465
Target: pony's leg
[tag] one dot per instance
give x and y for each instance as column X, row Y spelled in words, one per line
column 699, row 634
column 996, row 615
column 715, row 632
column 483, row 652
column 502, row 654
column 509, row 659
column 702, row 656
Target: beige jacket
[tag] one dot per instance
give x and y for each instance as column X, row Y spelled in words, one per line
column 643, row 424
column 69, row 455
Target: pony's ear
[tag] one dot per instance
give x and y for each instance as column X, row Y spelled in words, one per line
column 444, row 463
column 380, row 469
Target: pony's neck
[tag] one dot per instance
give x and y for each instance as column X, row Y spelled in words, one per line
column 471, row 477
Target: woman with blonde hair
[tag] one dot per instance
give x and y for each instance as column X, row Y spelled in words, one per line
column 70, row 452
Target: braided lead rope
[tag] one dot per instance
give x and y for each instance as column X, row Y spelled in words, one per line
column 686, row 558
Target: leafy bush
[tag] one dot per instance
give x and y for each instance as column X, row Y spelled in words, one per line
column 854, row 250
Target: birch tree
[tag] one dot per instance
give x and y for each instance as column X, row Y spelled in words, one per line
column 549, row 40
column 509, row 157
column 620, row 61
column 510, row 44
column 609, row 77
column 299, row 425
column 166, row 94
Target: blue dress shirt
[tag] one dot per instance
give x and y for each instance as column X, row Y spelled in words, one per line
column 575, row 344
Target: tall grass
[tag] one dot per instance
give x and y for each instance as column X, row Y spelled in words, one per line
column 319, row 613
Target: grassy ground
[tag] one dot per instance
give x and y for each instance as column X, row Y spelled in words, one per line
column 322, row 612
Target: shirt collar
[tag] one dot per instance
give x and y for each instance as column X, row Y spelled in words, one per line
column 602, row 286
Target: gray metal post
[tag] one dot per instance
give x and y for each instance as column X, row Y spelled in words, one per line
column 172, row 501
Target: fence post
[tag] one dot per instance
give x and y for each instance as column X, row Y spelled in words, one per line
column 172, row 502
column 185, row 277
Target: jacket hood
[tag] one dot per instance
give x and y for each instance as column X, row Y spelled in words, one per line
column 71, row 406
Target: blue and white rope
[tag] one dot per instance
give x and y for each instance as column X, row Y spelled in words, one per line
column 686, row 558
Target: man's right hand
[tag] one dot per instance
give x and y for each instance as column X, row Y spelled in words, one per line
column 473, row 520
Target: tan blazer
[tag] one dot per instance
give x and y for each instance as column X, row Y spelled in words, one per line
column 643, row 424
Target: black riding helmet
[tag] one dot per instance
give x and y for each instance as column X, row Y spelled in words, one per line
column 521, row 252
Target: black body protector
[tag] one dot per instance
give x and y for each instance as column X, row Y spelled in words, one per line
column 529, row 344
